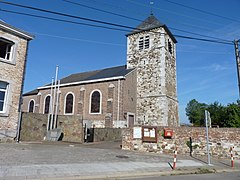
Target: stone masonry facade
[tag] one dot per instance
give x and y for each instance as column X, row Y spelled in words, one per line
column 156, row 78
column 12, row 76
column 34, row 127
column 220, row 142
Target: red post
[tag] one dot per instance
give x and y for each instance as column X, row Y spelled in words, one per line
column 175, row 159
column 232, row 160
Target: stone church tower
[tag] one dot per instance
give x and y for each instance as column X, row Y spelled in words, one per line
column 151, row 49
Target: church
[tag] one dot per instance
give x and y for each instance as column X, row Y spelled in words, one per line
column 142, row 92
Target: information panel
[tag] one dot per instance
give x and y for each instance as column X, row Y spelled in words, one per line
column 137, row 133
column 149, row 134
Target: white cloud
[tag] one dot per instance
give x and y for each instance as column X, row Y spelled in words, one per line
column 213, row 67
column 229, row 32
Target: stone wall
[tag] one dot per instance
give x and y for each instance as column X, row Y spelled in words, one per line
column 72, row 128
column 34, row 127
column 156, row 78
column 220, row 141
column 107, row 134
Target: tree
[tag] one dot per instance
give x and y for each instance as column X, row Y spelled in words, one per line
column 233, row 119
column 223, row 116
column 218, row 114
column 195, row 112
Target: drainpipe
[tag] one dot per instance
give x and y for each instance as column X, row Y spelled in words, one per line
column 118, row 105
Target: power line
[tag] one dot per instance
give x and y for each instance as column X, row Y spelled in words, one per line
column 135, row 12
column 172, row 12
column 66, row 15
column 202, row 11
column 61, row 20
column 100, row 10
column 77, row 39
column 109, row 12
column 102, row 22
column 206, row 40
column 199, row 34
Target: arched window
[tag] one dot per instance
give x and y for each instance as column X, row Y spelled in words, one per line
column 69, row 101
column 31, row 106
column 95, row 102
column 47, row 104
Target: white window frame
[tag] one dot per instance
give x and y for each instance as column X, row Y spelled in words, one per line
column 45, row 102
column 144, row 42
column 65, row 98
column 33, row 105
column 5, row 100
column 90, row 102
column 11, row 58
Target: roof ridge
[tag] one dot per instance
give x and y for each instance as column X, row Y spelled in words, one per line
column 97, row 70
column 150, row 22
column 15, row 30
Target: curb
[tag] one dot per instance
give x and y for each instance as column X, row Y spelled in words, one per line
column 180, row 171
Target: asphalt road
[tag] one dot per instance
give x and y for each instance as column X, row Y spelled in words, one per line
column 217, row 176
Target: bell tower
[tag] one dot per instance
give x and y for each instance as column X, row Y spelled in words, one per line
column 151, row 49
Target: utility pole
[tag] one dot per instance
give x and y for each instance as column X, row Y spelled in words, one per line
column 207, row 124
column 238, row 63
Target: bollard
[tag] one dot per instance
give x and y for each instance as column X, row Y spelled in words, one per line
column 232, row 160
column 175, row 159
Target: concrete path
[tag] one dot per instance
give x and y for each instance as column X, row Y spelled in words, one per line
column 76, row 161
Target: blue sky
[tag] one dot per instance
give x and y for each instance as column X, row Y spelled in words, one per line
column 205, row 71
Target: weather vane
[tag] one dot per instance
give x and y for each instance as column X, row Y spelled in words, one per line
column 151, row 5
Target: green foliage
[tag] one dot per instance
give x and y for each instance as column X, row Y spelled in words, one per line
column 195, row 112
column 218, row 114
column 223, row 116
column 233, row 119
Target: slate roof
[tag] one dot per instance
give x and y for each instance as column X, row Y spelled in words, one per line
column 112, row 72
column 98, row 74
column 33, row 92
column 150, row 23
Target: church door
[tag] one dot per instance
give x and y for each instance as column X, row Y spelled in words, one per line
column 130, row 120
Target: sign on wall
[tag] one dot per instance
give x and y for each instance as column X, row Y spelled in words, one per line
column 137, row 132
column 149, row 134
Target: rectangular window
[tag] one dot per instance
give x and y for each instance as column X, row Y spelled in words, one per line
column 141, row 43
column 144, row 42
column 6, row 49
column 3, row 96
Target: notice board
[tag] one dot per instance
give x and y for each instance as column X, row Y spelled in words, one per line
column 149, row 134
column 137, row 132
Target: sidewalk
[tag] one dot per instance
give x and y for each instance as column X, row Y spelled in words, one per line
column 91, row 161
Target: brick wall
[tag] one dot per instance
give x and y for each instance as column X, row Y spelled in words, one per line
column 12, row 72
column 220, row 141
column 109, row 116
